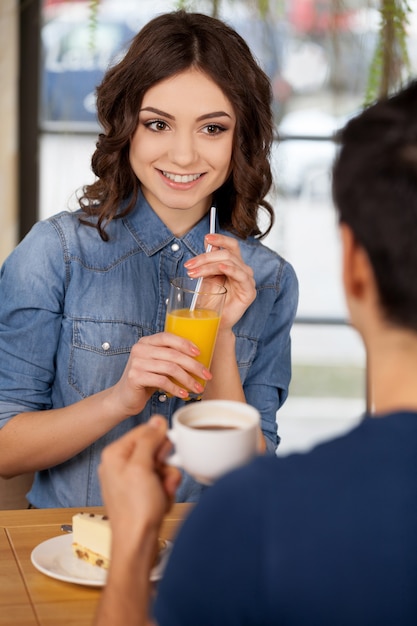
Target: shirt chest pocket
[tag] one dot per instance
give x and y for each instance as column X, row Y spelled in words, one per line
column 99, row 353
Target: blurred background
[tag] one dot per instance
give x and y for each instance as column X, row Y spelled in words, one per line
column 324, row 61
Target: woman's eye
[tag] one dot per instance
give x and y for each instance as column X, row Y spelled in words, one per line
column 214, row 129
column 156, row 125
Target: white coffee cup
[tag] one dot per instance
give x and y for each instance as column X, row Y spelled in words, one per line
column 212, row 437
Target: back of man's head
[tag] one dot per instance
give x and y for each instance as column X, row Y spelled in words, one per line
column 375, row 193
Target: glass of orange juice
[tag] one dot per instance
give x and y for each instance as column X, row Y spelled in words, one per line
column 194, row 310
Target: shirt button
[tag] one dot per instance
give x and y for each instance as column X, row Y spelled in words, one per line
column 105, row 345
column 175, row 247
column 162, row 397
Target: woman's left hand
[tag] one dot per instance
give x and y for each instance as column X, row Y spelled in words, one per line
column 225, row 262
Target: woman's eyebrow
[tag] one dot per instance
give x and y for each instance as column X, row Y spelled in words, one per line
column 157, row 112
column 205, row 116
column 208, row 116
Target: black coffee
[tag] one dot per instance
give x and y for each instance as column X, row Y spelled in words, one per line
column 214, row 427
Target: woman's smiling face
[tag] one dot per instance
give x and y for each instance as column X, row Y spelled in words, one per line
column 182, row 148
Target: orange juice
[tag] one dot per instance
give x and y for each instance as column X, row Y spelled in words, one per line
column 199, row 326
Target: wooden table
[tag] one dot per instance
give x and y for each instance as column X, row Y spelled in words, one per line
column 28, row 597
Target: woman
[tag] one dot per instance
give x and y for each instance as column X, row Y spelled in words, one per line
column 187, row 121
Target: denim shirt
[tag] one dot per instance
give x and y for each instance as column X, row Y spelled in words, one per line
column 72, row 306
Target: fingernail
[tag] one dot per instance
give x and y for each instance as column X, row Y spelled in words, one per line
column 156, row 422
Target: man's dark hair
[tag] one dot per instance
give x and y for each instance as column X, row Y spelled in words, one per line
column 375, row 193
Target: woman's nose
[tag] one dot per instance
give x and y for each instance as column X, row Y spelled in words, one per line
column 183, row 150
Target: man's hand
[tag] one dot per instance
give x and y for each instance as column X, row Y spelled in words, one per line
column 138, row 488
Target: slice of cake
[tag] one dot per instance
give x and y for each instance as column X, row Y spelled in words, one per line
column 91, row 538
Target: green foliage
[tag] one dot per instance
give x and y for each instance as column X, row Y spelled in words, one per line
column 92, row 21
column 263, row 8
column 390, row 65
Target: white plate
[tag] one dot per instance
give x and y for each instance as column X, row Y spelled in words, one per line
column 55, row 558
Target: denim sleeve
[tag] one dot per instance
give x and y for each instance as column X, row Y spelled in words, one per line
column 32, row 287
column 267, row 382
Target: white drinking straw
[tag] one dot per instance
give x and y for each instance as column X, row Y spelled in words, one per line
column 209, row 248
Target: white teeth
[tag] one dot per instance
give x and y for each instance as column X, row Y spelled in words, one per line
column 177, row 178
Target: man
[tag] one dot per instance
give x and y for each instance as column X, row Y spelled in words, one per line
column 326, row 538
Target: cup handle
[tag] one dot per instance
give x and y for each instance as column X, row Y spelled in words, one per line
column 173, row 459
column 172, row 436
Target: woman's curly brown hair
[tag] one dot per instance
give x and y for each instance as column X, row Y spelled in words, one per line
column 168, row 45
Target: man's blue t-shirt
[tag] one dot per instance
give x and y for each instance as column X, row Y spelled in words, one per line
column 327, row 538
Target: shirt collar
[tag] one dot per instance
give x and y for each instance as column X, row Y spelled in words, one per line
column 152, row 235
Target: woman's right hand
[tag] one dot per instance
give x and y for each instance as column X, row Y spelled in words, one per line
column 154, row 363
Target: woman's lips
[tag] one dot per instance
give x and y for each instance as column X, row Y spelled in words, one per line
column 181, row 178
